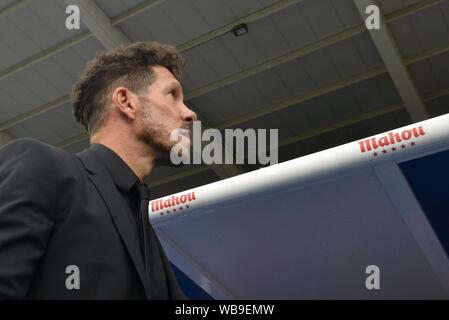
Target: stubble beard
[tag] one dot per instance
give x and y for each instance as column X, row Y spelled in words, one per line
column 152, row 135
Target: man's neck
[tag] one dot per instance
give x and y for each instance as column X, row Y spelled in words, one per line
column 135, row 155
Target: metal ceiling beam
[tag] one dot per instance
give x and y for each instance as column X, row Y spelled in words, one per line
column 122, row 17
column 308, row 49
column 12, row 7
column 5, row 138
column 327, row 89
column 391, row 56
column 313, row 133
column 267, row 110
column 99, row 24
column 239, row 75
column 262, row 13
column 34, row 112
column 146, row 5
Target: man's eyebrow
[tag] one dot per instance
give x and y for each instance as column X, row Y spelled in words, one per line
column 175, row 85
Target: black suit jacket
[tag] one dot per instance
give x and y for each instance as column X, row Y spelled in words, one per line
column 59, row 209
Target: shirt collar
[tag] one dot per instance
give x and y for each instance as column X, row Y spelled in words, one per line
column 121, row 173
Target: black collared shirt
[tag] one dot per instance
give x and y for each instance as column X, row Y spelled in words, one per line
column 128, row 184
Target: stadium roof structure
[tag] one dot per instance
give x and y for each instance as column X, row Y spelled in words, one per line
column 309, row 68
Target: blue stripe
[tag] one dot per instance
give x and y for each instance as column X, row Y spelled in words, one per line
column 429, row 179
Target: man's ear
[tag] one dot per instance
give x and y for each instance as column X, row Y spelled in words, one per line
column 125, row 101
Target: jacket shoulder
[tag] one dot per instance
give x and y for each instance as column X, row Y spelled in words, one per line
column 33, row 154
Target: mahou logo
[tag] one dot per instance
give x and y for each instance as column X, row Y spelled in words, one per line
column 175, row 201
column 391, row 138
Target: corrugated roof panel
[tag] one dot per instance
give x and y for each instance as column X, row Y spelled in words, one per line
column 431, row 27
column 388, row 6
column 243, row 49
column 375, row 93
column 318, row 112
column 346, row 59
column 367, row 50
column 34, row 27
column 5, row 3
column 347, row 12
column 294, row 27
column 270, row 121
column 216, row 106
column 114, row 7
column 295, row 77
column 342, row 104
column 320, row 68
column 321, row 17
column 19, row 92
column 186, row 17
column 159, row 25
column 215, row 57
column 215, row 12
column 440, row 68
column 200, row 71
column 8, row 105
column 431, row 75
column 438, row 107
column 243, row 8
column 51, row 127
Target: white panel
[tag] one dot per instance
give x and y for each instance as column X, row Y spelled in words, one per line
column 310, row 244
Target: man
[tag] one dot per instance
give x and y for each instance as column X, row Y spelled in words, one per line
column 76, row 226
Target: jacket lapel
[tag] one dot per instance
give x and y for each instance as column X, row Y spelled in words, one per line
column 105, row 187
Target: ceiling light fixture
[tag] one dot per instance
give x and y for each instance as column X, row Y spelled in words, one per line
column 240, row 30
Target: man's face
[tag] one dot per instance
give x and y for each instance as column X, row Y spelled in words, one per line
column 162, row 110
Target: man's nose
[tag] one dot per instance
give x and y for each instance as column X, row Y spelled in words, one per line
column 189, row 115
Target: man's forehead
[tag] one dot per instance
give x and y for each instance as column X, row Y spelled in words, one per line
column 164, row 76
column 163, row 72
